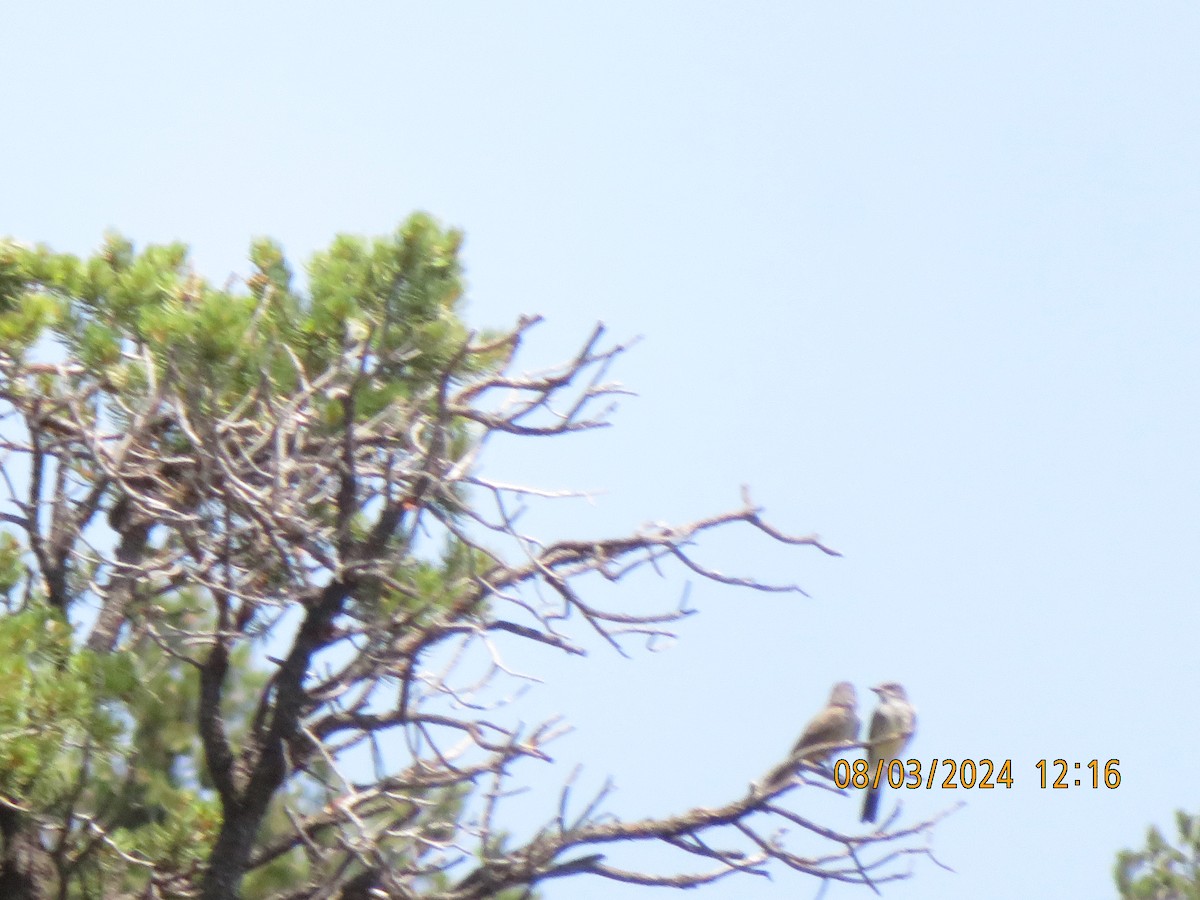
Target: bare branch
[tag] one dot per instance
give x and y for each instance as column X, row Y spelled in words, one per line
column 333, row 517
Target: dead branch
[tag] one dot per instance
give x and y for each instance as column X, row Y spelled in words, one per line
column 377, row 577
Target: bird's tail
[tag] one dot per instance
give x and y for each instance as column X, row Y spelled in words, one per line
column 871, row 805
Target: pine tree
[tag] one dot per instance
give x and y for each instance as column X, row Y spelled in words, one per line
column 247, row 553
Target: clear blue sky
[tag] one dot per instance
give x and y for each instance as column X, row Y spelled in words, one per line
column 923, row 275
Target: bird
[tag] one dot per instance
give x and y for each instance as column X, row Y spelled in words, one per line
column 833, row 726
column 892, row 726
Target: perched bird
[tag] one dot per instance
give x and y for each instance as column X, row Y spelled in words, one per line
column 892, row 725
column 829, row 729
column 835, row 725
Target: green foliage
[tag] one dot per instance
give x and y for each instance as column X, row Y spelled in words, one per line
column 420, row 589
column 1161, row 870
column 12, row 567
column 83, row 730
column 108, row 741
column 25, row 309
column 401, row 295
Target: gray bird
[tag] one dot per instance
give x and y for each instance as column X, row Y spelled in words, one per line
column 892, row 726
column 831, row 728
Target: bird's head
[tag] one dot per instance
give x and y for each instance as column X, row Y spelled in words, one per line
column 890, row 690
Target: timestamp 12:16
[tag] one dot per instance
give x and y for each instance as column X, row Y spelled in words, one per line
column 1109, row 776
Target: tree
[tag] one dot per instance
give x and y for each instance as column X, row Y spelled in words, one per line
column 249, row 566
column 1162, row 871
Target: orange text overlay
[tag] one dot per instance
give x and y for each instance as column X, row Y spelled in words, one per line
column 979, row 774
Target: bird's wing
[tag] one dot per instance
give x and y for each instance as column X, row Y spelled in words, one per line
column 880, row 725
column 827, row 728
